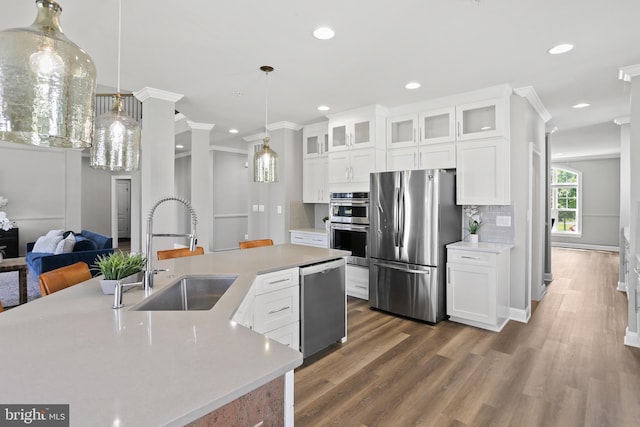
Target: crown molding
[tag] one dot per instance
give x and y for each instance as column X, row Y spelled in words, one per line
column 622, row 120
column 529, row 93
column 200, row 126
column 627, row 73
column 272, row 127
column 181, row 125
column 580, row 158
column 149, row 92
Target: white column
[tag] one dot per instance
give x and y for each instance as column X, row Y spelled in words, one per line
column 157, row 161
column 73, row 193
column 201, row 180
column 632, row 74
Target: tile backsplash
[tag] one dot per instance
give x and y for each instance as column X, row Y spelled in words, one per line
column 489, row 231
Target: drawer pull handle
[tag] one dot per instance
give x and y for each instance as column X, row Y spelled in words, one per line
column 279, row 310
column 279, row 281
column 469, row 257
column 362, row 287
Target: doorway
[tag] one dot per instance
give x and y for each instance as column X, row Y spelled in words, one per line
column 535, row 231
column 121, row 211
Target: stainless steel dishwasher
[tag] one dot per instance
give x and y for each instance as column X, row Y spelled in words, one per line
column 323, row 315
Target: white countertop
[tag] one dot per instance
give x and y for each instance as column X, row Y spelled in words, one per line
column 137, row 368
column 480, row 247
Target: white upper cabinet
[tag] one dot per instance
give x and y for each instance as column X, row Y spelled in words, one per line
column 438, row 126
column 315, row 140
column 402, row 131
column 483, row 172
column 362, row 128
column 315, row 184
column 484, row 119
column 354, row 166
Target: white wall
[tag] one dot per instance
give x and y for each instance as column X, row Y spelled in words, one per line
column 600, row 202
column 230, row 193
column 43, row 188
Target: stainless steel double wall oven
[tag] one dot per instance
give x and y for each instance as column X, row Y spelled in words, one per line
column 349, row 231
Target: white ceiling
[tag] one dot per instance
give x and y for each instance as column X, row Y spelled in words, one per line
column 211, row 51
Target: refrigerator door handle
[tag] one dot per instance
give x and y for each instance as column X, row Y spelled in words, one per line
column 396, row 213
column 400, row 268
column 402, row 211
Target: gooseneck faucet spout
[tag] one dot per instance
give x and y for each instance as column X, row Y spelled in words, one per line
column 149, row 271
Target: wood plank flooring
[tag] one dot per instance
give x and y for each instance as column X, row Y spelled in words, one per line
column 567, row 367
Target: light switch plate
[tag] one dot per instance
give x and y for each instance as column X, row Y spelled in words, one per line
column 279, row 209
column 261, row 208
column 255, row 208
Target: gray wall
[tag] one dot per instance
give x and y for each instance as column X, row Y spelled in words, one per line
column 230, row 182
column 600, row 202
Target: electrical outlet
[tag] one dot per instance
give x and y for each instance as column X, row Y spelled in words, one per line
column 255, row 208
column 503, row 221
column 279, row 209
column 261, row 208
column 246, row 237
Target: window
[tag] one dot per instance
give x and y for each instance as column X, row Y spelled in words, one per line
column 565, row 201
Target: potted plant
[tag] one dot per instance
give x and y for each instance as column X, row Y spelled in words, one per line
column 326, row 222
column 119, row 267
column 474, row 222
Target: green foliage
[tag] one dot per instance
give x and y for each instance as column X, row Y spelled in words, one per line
column 2, row 248
column 474, row 226
column 119, row 265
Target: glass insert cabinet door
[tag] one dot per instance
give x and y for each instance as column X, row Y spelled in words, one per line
column 311, row 145
column 481, row 119
column 438, row 126
column 354, row 133
column 338, row 136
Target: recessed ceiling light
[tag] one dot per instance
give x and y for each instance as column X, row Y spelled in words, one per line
column 323, row 33
column 323, row 108
column 581, row 105
column 179, row 146
column 561, row 48
column 412, row 85
column 233, row 130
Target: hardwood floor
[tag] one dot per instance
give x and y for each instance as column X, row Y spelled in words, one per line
column 567, row 367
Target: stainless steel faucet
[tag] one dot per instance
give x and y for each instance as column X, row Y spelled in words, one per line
column 149, row 272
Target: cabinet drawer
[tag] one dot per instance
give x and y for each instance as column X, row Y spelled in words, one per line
column 471, row 257
column 309, row 239
column 288, row 335
column 277, row 280
column 358, row 281
column 277, row 309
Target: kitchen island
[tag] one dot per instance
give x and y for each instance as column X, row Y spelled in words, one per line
column 137, row 368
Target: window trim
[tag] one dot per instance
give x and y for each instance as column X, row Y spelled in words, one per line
column 578, row 186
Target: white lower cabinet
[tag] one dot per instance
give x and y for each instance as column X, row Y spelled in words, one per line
column 309, row 238
column 358, row 281
column 478, row 284
column 272, row 307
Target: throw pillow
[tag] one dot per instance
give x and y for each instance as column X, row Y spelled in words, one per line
column 46, row 244
column 52, row 233
column 84, row 244
column 66, row 245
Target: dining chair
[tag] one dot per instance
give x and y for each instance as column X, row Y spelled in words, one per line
column 1, row 309
column 63, row 277
column 246, row 244
column 180, row 252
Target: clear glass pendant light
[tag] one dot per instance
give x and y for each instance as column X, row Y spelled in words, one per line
column 116, row 142
column 47, row 84
column 265, row 161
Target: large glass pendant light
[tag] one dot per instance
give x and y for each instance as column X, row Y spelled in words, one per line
column 116, row 142
column 265, row 161
column 47, row 84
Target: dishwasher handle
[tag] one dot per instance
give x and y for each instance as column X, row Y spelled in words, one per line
column 322, row 267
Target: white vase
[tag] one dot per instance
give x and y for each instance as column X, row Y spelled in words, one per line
column 473, row 239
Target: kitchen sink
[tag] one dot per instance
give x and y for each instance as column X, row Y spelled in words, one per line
column 188, row 293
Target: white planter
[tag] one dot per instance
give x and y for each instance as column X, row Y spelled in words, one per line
column 473, row 238
column 109, row 286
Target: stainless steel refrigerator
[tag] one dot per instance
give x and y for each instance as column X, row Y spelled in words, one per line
column 413, row 216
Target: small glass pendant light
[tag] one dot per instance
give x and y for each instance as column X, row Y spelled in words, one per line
column 116, row 143
column 265, row 160
column 47, row 84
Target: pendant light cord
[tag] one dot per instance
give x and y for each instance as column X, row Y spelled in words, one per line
column 266, row 108
column 119, row 41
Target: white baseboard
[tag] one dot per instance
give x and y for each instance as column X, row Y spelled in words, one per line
column 622, row 286
column 585, row 246
column 520, row 315
column 632, row 339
